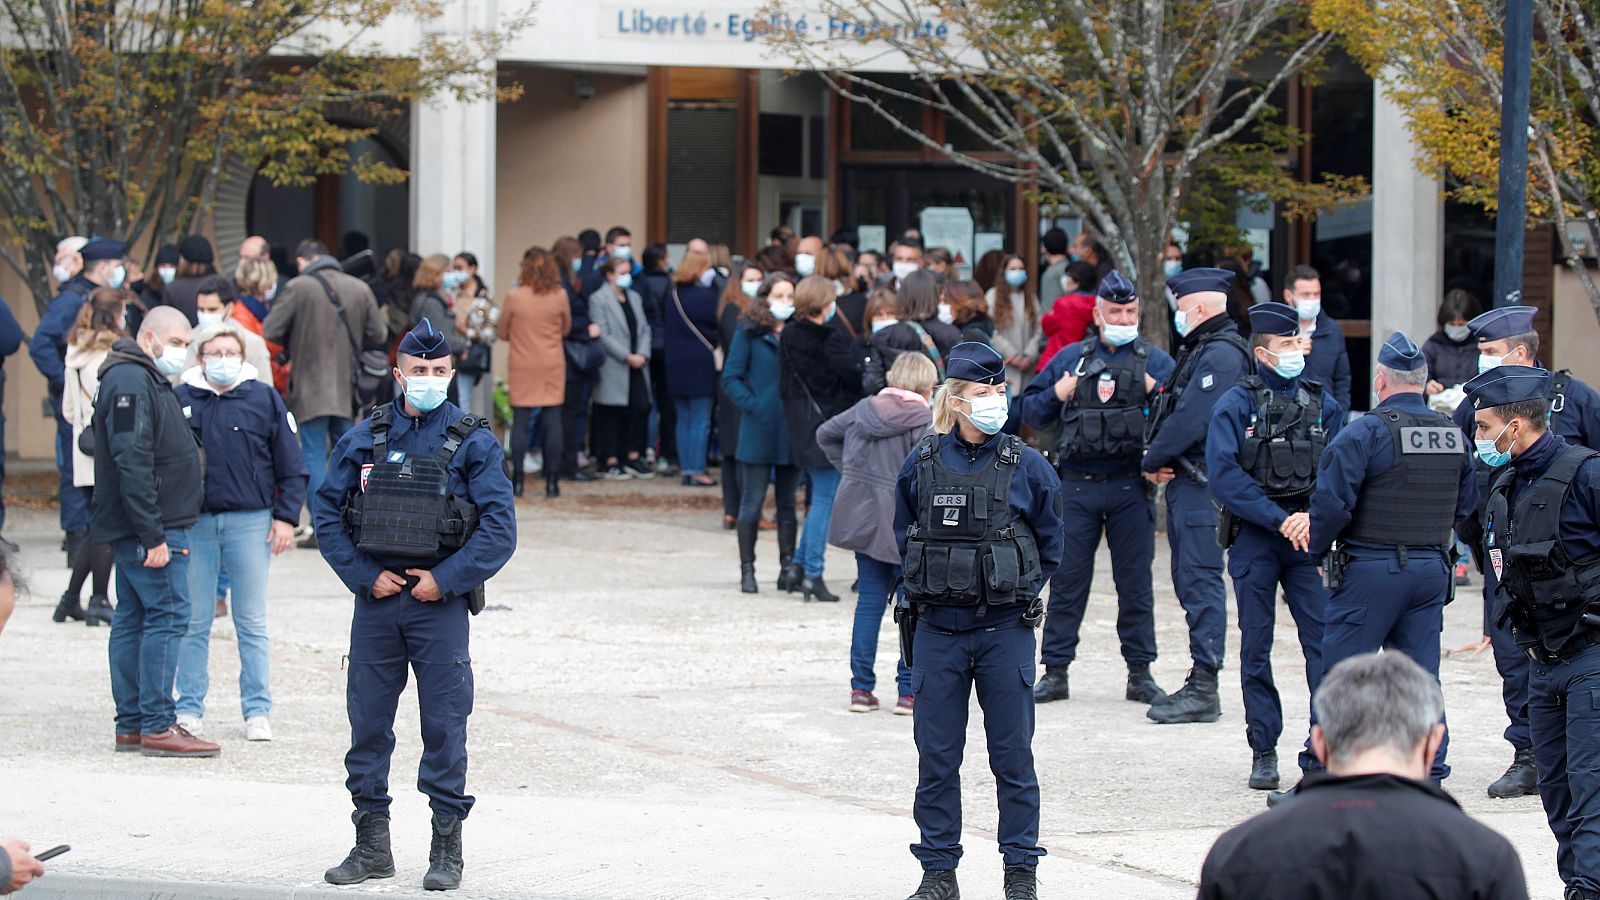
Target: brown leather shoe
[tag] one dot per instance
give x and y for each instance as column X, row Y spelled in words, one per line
column 127, row 743
column 176, row 741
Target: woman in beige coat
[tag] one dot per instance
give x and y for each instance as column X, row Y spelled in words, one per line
column 99, row 323
column 534, row 318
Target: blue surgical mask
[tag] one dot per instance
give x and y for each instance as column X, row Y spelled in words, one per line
column 224, row 371
column 1180, row 321
column 117, row 277
column 426, row 393
column 781, row 309
column 1072, row 257
column 623, row 252
column 171, row 360
column 577, row 264
column 1290, row 363
column 833, row 309
column 750, row 288
column 1489, row 454
column 1118, row 335
column 625, row 280
column 1487, row 362
column 1458, row 333
column 454, row 279
column 989, row 413
column 1016, row 277
column 1171, row 267
column 1308, row 309
column 880, row 324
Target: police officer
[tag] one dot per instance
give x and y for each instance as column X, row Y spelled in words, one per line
column 413, row 588
column 1390, row 486
column 1095, row 394
column 978, row 522
column 1212, row 357
column 1506, row 337
column 1266, row 437
column 1542, row 541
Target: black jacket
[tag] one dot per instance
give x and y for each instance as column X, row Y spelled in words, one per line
column 821, row 378
column 149, row 475
column 1374, row 837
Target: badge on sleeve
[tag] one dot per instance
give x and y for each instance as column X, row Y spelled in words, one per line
column 1206, row 381
column 294, row 427
column 124, row 415
column 365, row 471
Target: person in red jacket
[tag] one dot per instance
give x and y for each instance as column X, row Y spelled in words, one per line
column 1071, row 315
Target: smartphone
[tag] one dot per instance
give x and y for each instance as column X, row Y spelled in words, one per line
column 52, row 853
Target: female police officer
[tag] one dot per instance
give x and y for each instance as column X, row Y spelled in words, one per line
column 414, row 587
column 978, row 522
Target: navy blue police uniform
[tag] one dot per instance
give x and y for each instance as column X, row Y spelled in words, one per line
column 1212, row 358
column 1389, row 488
column 390, row 634
column 1267, row 435
column 1100, row 438
column 979, row 529
column 1575, row 415
column 1542, row 541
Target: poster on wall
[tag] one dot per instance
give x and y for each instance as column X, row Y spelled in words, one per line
column 871, row 237
column 984, row 241
column 949, row 227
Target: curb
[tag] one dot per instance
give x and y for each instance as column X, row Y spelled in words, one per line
column 74, row 886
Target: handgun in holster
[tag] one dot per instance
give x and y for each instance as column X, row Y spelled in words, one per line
column 1227, row 528
column 905, row 616
column 1333, row 568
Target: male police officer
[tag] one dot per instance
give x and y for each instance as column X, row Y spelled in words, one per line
column 414, row 585
column 1096, row 393
column 1542, row 541
column 1266, row 438
column 1506, row 337
column 1213, row 357
column 1391, row 485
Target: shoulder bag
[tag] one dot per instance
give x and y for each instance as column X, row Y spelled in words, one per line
column 717, row 357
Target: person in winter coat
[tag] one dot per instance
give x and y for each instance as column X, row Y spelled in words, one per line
column 534, row 321
column 214, row 305
column 572, row 260
column 867, row 443
column 89, row 342
column 750, row 378
column 890, row 334
column 257, row 283
column 742, row 287
column 1452, row 351
column 476, row 319
column 1016, row 322
column 1072, row 314
column 970, row 310
column 622, row 392
column 435, row 301
column 691, row 341
column 820, row 379
column 920, row 301
column 195, row 265
column 255, row 482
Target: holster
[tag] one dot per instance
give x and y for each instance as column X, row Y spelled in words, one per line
column 1227, row 528
column 1034, row 613
column 475, row 600
column 1452, row 555
column 1333, row 568
column 905, row 616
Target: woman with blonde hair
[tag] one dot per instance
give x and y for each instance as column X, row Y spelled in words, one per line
column 978, row 525
column 257, row 281
column 867, row 443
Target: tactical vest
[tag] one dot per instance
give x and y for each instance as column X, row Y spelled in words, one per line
column 1557, row 398
column 966, row 548
column 1166, row 399
column 1105, row 415
column 1547, row 591
column 1413, row 504
column 1284, row 441
column 404, row 508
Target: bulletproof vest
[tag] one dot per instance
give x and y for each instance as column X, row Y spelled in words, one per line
column 1413, row 504
column 966, row 548
column 1166, row 400
column 405, row 508
column 1548, row 593
column 1557, row 398
column 1284, row 440
column 1105, row 415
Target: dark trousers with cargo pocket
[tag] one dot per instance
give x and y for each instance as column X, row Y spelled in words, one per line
column 1121, row 508
column 1197, row 570
column 998, row 662
column 388, row 638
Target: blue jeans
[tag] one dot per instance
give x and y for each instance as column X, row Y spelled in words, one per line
column 476, row 393
column 239, row 540
column 152, row 609
column 317, row 437
column 875, row 578
column 814, row 534
column 694, row 430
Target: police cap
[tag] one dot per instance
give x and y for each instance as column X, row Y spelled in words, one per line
column 1401, row 354
column 1194, row 281
column 1498, row 324
column 1274, row 318
column 1507, row 384
column 975, row 361
column 1116, row 289
column 425, row 341
column 103, row 248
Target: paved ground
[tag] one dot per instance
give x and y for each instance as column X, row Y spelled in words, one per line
column 643, row 730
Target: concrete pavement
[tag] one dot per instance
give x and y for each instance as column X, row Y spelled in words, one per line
column 643, row 730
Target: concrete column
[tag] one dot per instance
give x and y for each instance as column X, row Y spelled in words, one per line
column 1407, row 233
column 453, row 162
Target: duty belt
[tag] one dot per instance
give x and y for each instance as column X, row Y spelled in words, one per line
column 1076, row 475
column 1539, row 654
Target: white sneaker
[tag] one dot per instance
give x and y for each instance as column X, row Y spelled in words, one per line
column 257, row 728
column 191, row 724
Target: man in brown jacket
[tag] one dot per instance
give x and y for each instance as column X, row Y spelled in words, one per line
column 323, row 346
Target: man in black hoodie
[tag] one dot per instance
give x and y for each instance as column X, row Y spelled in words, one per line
column 147, row 494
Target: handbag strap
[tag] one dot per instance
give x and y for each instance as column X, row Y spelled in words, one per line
column 695, row 329
column 338, row 305
column 784, row 355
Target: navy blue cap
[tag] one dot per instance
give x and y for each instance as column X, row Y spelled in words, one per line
column 103, row 248
column 1401, row 354
column 1193, row 281
column 974, row 361
column 1116, row 289
column 1274, row 318
column 1507, row 384
column 425, row 341
column 1497, row 324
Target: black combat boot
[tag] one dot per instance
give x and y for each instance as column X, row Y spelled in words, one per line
column 937, row 884
column 99, row 612
column 69, row 608
column 1521, row 780
column 790, row 573
column 1053, row 686
column 444, row 855
column 1196, row 701
column 370, row 858
column 814, row 589
column 1264, row 770
column 748, row 532
column 1021, row 883
column 1142, row 688
column 516, row 481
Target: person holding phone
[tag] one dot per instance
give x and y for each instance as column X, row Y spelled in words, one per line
column 18, row 867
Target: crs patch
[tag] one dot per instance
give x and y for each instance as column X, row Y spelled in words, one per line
column 124, row 412
column 1436, row 439
column 1207, row 382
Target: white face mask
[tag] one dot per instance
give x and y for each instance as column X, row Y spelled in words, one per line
column 171, row 360
column 1458, row 333
column 167, row 273
column 750, row 287
column 880, row 324
column 805, row 264
column 946, row 314
column 781, row 309
column 1308, row 309
column 207, row 319
column 903, row 269
column 62, row 274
